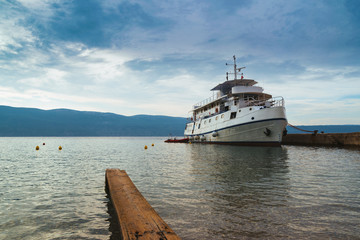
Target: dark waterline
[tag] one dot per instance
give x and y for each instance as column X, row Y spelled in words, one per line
column 201, row 191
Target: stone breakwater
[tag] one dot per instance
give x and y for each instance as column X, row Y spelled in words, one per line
column 323, row 139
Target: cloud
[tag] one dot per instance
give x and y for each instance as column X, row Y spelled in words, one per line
column 91, row 22
column 50, row 78
column 14, row 37
column 34, row 97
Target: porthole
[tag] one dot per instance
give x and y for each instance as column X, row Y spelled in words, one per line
column 240, row 110
column 250, row 109
column 222, row 116
column 252, row 118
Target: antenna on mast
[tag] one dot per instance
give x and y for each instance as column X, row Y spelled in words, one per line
column 236, row 70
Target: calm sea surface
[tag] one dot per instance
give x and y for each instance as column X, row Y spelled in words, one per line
column 201, row 191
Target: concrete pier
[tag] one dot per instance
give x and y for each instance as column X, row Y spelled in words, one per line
column 323, row 139
column 138, row 220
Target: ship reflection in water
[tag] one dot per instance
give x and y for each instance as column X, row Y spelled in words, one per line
column 262, row 192
column 240, row 190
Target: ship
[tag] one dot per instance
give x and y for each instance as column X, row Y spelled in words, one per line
column 238, row 113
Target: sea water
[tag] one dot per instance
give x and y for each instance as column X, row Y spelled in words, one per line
column 201, row 191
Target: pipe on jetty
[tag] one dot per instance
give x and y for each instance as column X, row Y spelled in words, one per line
column 323, row 139
column 138, row 220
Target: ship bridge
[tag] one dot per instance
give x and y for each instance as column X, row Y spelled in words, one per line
column 226, row 86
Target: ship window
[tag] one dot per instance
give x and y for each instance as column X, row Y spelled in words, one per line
column 222, row 116
column 217, row 118
column 205, row 122
column 240, row 110
column 233, row 115
column 209, row 120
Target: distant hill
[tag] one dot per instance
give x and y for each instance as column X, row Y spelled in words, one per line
column 24, row 122
column 65, row 122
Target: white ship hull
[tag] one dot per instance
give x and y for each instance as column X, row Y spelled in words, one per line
column 258, row 126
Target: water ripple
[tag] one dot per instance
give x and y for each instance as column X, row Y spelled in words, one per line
column 202, row 191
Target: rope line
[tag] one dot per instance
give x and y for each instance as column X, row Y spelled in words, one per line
column 315, row 131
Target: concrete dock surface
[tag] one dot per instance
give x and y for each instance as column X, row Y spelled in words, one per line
column 323, row 139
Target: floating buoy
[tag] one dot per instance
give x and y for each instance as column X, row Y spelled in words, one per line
column 145, row 147
column 152, row 145
column 37, row 148
column 60, row 148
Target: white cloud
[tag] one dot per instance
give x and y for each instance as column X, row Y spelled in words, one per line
column 13, row 36
column 42, row 8
column 49, row 100
column 50, row 78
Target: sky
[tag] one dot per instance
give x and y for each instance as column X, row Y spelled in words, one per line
column 161, row 57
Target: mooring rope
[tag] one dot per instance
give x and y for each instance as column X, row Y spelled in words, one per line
column 315, row 131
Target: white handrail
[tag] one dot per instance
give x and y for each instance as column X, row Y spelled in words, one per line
column 207, row 101
column 274, row 102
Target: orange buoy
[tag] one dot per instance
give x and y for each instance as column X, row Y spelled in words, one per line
column 37, row 148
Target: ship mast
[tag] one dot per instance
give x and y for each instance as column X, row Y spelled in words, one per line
column 236, row 70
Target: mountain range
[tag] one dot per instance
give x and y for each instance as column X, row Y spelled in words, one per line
column 65, row 122
column 25, row 122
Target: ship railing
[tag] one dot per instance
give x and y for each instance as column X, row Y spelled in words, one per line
column 207, row 101
column 272, row 102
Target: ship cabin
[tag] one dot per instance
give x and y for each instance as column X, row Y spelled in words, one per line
column 231, row 95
